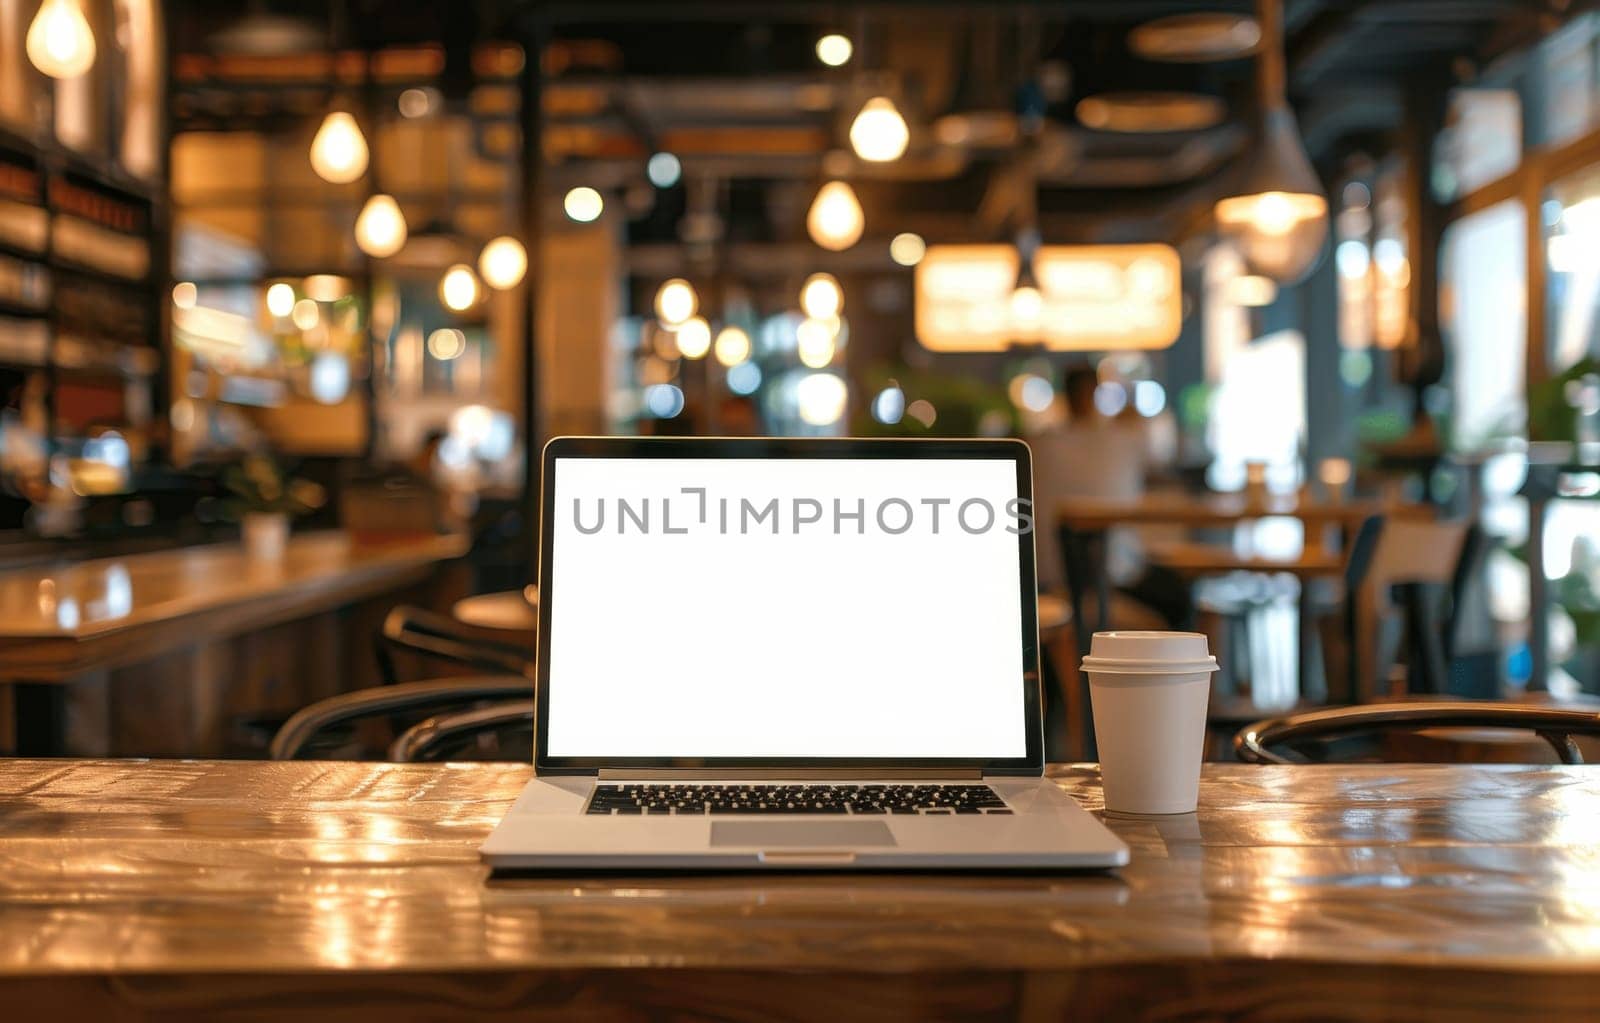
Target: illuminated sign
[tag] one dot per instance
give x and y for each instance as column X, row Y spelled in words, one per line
column 1085, row 298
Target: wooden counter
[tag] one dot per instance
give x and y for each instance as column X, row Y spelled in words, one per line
column 63, row 624
column 256, row 891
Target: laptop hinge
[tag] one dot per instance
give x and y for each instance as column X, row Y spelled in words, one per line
column 788, row 773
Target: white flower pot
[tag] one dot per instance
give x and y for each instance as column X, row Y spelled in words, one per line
column 266, row 536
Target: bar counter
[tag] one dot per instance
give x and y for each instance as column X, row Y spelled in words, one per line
column 232, row 891
column 62, row 628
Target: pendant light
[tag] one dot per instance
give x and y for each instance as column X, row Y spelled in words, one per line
column 675, row 302
column 1277, row 212
column 458, row 288
column 694, row 338
column 381, row 227
column 502, row 263
column 732, row 346
column 879, row 134
column 821, row 297
column 339, row 150
column 835, row 221
column 59, row 42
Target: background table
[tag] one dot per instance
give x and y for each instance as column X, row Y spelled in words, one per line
column 256, row 891
column 64, row 627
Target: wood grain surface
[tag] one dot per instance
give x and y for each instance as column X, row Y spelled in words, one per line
column 259, row 891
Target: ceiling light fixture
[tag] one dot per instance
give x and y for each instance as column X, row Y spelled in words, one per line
column 502, row 263
column 339, row 150
column 663, row 170
column 821, row 297
column 907, row 248
column 675, row 301
column 381, row 227
column 835, row 50
column 835, row 220
column 879, row 134
column 732, row 346
column 59, row 42
column 458, row 288
column 1277, row 213
column 584, row 204
column 694, row 338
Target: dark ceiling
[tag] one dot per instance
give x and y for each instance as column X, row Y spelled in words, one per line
column 740, row 80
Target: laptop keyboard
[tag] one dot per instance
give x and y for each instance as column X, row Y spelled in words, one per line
column 877, row 800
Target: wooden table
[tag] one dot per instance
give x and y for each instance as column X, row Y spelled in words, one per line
column 277, row 891
column 1197, row 559
column 60, row 622
column 1201, row 511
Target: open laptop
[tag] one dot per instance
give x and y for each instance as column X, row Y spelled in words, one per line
column 790, row 654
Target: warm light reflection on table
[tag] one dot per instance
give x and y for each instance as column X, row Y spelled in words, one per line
column 91, row 597
column 188, row 868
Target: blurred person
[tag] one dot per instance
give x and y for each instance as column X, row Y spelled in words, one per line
column 1093, row 455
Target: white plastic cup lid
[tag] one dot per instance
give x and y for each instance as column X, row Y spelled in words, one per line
column 1149, row 653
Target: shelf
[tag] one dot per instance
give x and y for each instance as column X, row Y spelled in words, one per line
column 50, row 154
column 21, row 311
column 24, row 253
column 104, row 276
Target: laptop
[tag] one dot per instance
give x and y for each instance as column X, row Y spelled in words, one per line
column 790, row 654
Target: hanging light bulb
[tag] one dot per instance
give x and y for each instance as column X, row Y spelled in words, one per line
column 814, row 343
column 339, row 150
column 675, row 302
column 1027, row 311
column 1276, row 212
column 834, row 49
column 60, row 43
column 835, row 221
column 907, row 248
column 503, row 262
column 280, row 299
column 732, row 347
column 381, row 227
column 879, row 133
column 821, row 297
column 583, row 204
column 458, row 288
column 694, row 338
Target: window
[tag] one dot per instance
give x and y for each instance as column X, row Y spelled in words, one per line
column 1484, row 319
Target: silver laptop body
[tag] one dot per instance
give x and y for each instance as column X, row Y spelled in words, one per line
column 790, row 654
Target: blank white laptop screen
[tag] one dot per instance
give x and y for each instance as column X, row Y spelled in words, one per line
column 703, row 607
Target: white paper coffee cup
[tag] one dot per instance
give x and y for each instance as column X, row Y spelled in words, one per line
column 1149, row 692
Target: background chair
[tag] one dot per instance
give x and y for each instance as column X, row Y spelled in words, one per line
column 300, row 733
column 500, row 731
column 1334, row 735
column 441, row 640
column 1407, row 609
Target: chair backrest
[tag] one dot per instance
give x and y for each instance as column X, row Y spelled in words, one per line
column 443, row 735
column 1255, row 743
column 298, row 733
column 1414, row 551
column 1410, row 552
column 441, row 638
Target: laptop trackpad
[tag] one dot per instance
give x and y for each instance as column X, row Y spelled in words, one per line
column 809, row 834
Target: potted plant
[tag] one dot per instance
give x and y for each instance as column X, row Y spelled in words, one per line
column 264, row 499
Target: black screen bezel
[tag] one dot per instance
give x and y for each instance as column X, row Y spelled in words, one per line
column 1015, row 451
